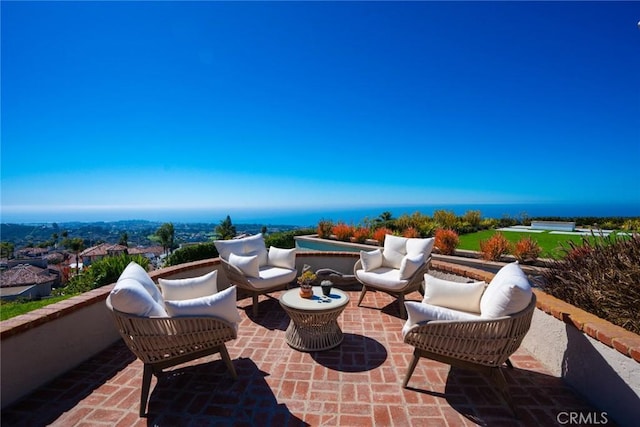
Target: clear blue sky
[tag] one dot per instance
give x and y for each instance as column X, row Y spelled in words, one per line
column 111, row 105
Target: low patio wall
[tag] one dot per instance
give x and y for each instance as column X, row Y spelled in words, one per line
column 600, row 360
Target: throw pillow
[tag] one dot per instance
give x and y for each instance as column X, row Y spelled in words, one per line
column 371, row 260
column 136, row 272
column 254, row 245
column 193, row 287
column 131, row 297
column 284, row 258
column 454, row 295
column 221, row 305
column 249, row 265
column 509, row 292
column 395, row 248
column 227, row 247
column 410, row 264
column 418, row 312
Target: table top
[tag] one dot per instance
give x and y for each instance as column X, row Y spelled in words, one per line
column 318, row 302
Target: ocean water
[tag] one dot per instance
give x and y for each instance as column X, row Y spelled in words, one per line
column 310, row 217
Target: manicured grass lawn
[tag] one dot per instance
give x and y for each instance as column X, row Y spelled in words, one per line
column 9, row 309
column 549, row 243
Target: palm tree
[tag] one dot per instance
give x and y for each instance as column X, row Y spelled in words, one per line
column 226, row 230
column 166, row 234
column 76, row 245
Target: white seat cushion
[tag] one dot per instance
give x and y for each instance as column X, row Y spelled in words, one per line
column 248, row 265
column 192, row 287
column 509, row 292
column 453, row 295
column 371, row 260
column 136, row 272
column 384, row 277
column 130, row 296
column 221, row 305
column 272, row 276
column 418, row 312
column 285, row 258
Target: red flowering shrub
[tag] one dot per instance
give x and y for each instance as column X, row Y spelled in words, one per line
column 361, row 234
column 380, row 233
column 325, row 228
column 343, row 231
column 526, row 249
column 446, row 241
column 410, row 232
column 493, row 248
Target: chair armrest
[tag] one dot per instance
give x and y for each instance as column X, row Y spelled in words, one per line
column 234, row 274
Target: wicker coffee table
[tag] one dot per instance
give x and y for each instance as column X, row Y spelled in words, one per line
column 314, row 325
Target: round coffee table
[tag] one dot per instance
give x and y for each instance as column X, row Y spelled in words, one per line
column 314, row 325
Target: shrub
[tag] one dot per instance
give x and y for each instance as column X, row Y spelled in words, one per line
column 100, row 273
column 446, row 241
column 343, row 231
column 410, row 232
column 285, row 239
column 527, row 249
column 380, row 233
column 445, row 219
column 495, row 247
column 192, row 253
column 601, row 276
column 361, row 234
column 325, row 228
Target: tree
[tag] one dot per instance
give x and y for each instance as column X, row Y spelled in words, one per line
column 6, row 250
column 75, row 244
column 226, row 230
column 124, row 239
column 166, row 234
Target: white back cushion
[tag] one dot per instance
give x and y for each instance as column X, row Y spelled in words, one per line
column 454, row 295
column 395, row 248
column 221, row 305
column 249, row 265
column 371, row 260
column 130, row 296
column 136, row 272
column 192, row 287
column 247, row 246
column 509, row 292
column 284, row 258
column 420, row 246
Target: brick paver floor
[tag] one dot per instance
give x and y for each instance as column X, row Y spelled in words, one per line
column 356, row 384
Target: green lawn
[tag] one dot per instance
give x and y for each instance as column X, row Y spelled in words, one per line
column 549, row 243
column 9, row 309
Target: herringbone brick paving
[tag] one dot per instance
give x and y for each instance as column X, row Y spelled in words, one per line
column 356, row 384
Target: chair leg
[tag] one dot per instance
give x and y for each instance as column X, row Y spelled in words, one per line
column 403, row 312
column 364, row 291
column 497, row 376
column 255, row 304
column 227, row 361
column 412, row 367
column 146, row 385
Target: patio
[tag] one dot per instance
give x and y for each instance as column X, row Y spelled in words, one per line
column 357, row 383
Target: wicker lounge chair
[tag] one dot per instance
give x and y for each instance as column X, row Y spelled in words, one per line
column 162, row 342
column 274, row 268
column 397, row 270
column 484, row 345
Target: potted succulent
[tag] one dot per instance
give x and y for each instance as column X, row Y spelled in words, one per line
column 305, row 280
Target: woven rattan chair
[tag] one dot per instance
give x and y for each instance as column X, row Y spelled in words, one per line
column 236, row 277
column 484, row 345
column 413, row 284
column 162, row 342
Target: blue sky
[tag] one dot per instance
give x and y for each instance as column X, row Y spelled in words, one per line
column 159, row 105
